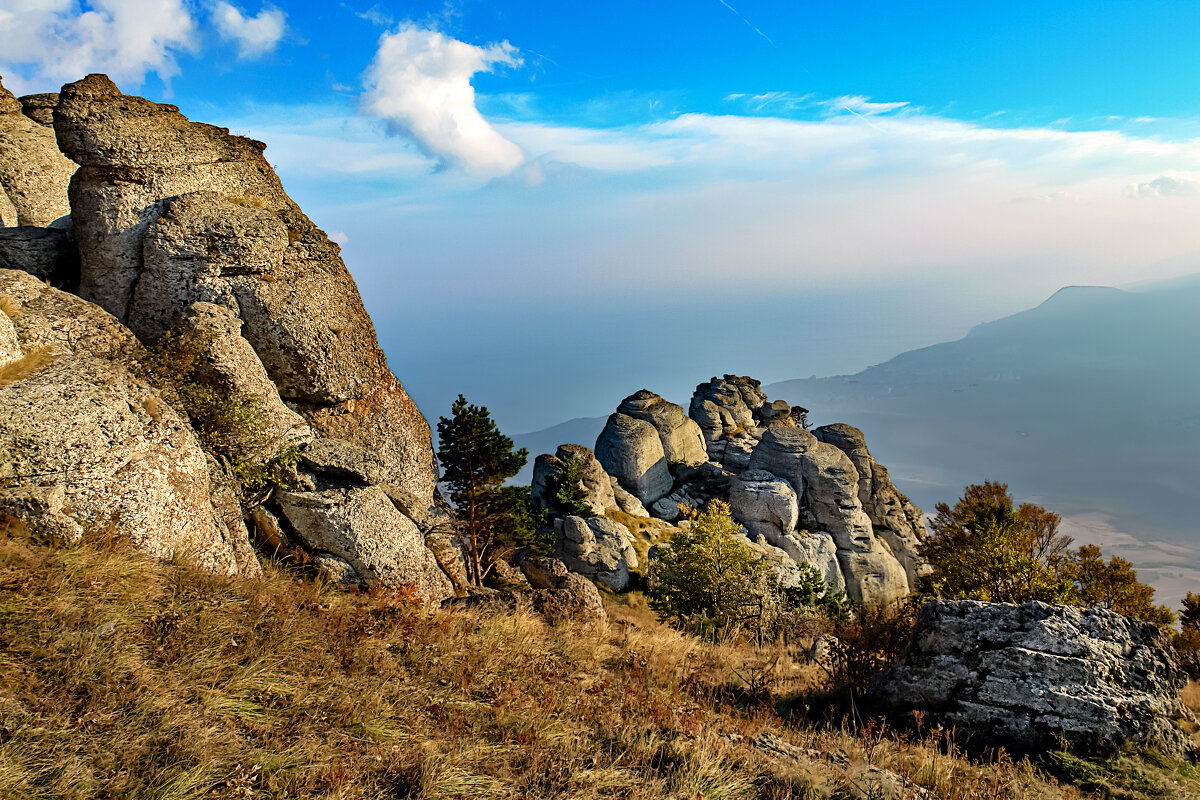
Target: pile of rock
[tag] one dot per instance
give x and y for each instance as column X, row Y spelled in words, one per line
column 803, row 497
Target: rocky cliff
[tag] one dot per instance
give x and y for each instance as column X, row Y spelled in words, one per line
column 179, row 228
column 803, row 497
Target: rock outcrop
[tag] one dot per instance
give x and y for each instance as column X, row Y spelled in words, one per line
column 597, row 485
column 597, row 548
column 682, row 440
column 75, row 420
column 34, row 175
column 182, row 227
column 631, row 451
column 1031, row 675
column 802, row 497
column 826, row 482
column 892, row 515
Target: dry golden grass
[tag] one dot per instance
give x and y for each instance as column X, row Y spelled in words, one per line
column 249, row 201
column 1191, row 696
column 34, row 359
column 121, row 677
column 9, row 307
column 647, row 532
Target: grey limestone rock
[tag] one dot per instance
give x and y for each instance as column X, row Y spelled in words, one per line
column 597, row 548
column 826, row 482
column 732, row 413
column 631, row 451
column 682, row 440
column 625, row 501
column 764, row 504
column 123, row 458
column 34, row 175
column 1026, row 675
column 40, row 107
column 892, row 515
column 362, row 527
column 167, row 212
column 46, row 253
column 596, row 484
column 229, row 363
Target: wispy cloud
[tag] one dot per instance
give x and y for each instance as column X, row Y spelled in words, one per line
column 420, row 83
column 863, row 106
column 749, row 24
column 1166, row 186
column 773, row 102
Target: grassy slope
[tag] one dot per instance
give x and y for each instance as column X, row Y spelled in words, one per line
column 121, row 677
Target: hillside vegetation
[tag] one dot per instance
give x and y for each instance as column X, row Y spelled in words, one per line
column 125, row 677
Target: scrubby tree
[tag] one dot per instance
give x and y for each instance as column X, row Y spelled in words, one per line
column 476, row 460
column 985, row 548
column 1112, row 585
column 816, row 594
column 706, row 578
column 1187, row 641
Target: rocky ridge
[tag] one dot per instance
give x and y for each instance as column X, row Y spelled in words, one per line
column 177, row 227
column 803, row 497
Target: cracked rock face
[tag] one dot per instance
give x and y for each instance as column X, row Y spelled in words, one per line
column 78, row 421
column 168, row 212
column 1026, row 675
column 631, row 451
column 34, row 175
column 682, row 439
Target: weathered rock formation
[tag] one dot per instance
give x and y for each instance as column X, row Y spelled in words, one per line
column 33, row 173
column 1030, row 675
column 803, row 497
column 631, row 451
column 597, row 548
column 892, row 515
column 597, row 485
column 181, row 228
column 75, row 422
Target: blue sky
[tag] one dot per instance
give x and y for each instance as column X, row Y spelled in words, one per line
column 549, row 205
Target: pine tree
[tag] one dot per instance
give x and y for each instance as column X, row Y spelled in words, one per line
column 476, row 459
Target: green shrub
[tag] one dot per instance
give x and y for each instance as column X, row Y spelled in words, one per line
column 230, row 424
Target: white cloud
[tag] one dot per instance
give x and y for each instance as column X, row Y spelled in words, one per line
column 420, row 83
column 44, row 43
column 254, row 36
column 1166, row 186
column 857, row 104
column 339, row 237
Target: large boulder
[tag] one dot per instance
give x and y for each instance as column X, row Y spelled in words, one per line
column 764, row 504
column 597, row 548
column 596, row 484
column 892, row 515
column 1032, row 675
column 631, row 451
column 74, row 418
column 363, row 528
column 682, row 440
column 34, row 175
column 561, row 594
column 168, row 212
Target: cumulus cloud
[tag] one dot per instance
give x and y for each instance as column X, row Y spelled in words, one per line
column 420, row 83
column 1166, row 186
column 254, row 36
column 44, row 43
